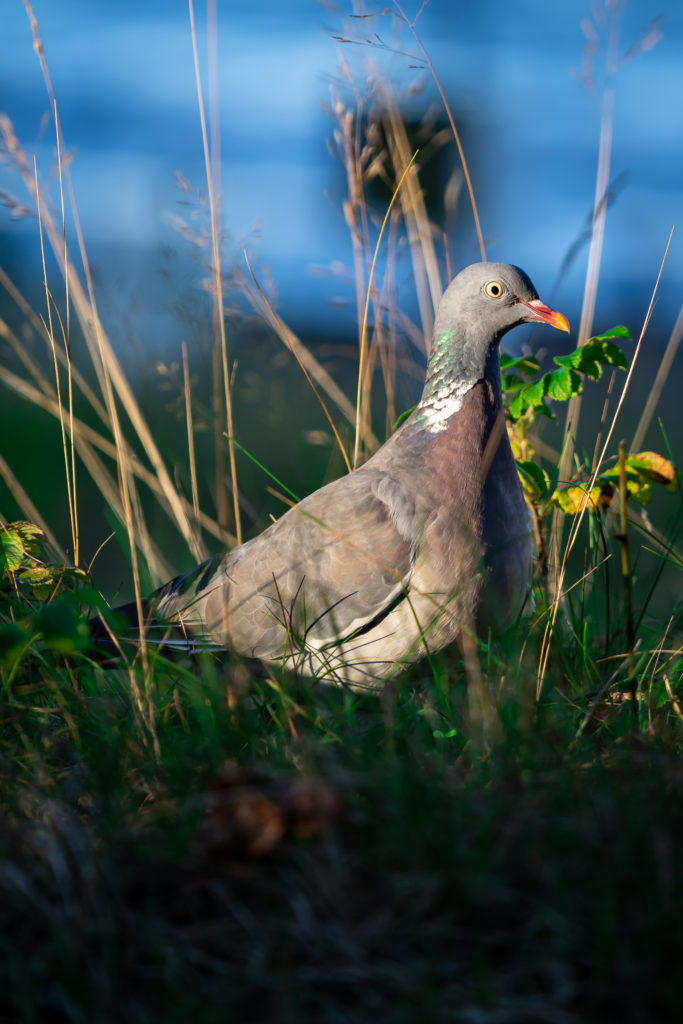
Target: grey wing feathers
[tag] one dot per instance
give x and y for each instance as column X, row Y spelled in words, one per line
column 332, row 564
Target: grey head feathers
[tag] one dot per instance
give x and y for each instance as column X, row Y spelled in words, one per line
column 482, row 303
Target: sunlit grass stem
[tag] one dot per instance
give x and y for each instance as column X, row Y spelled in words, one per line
column 364, row 330
column 218, row 282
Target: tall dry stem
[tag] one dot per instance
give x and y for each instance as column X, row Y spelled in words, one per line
column 364, row 329
column 49, row 329
column 592, row 270
column 219, row 318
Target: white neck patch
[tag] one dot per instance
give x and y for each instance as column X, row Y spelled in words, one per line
column 438, row 410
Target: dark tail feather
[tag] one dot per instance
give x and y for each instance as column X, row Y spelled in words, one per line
column 119, row 628
column 124, row 622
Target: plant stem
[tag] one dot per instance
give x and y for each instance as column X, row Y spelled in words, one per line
column 622, row 537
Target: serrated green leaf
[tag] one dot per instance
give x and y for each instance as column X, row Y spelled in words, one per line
column 36, row 575
column 534, row 479
column 536, row 392
column 516, row 406
column 591, row 368
column 564, row 383
column 603, row 351
column 570, row 360
column 587, row 359
column 31, row 535
column 12, row 549
column 615, row 332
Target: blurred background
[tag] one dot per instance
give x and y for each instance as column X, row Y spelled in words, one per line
column 526, row 83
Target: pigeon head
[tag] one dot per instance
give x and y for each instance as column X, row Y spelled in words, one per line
column 482, row 303
column 487, row 299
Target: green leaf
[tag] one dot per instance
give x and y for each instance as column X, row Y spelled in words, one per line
column 536, row 392
column 31, row 535
column 571, row 359
column 38, row 575
column 563, row 384
column 643, row 471
column 530, row 396
column 525, row 364
column 511, row 382
column 587, row 359
column 534, row 479
column 572, row 499
column 640, row 489
column 516, row 406
column 11, row 550
column 615, row 332
column 603, row 351
column 657, row 468
column 404, row 416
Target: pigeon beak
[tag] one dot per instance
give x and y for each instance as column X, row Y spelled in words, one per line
column 544, row 314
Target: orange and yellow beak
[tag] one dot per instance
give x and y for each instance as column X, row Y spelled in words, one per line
column 544, row 314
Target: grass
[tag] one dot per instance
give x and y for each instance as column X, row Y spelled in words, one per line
column 492, row 839
column 315, row 855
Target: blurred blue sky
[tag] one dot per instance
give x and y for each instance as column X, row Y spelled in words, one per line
column 124, row 79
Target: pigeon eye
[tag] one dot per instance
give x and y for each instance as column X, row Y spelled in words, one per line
column 494, row 289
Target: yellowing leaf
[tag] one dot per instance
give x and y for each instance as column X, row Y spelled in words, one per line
column 572, row 499
column 659, row 469
column 31, row 536
column 534, row 479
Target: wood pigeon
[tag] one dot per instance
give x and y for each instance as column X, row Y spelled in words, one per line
column 428, row 540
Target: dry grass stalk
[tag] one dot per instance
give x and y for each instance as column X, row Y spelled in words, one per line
column 672, row 697
column 190, row 435
column 418, row 227
column 364, row 329
column 354, row 208
column 49, row 329
column 67, row 346
column 219, row 317
column 622, row 537
column 592, row 271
